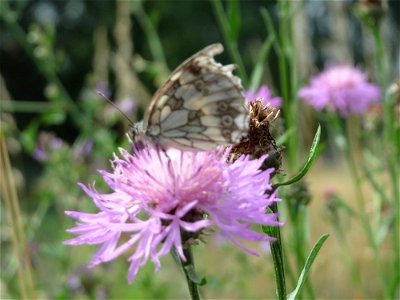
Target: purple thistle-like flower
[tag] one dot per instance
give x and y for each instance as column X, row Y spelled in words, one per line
column 265, row 94
column 158, row 195
column 342, row 89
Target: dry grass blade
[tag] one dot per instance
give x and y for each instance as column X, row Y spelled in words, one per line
column 13, row 212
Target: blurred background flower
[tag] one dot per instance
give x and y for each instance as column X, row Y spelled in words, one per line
column 47, row 143
column 341, row 89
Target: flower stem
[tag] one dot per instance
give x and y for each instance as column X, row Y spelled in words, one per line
column 277, row 257
column 348, row 256
column 288, row 79
column 363, row 215
column 289, row 85
column 392, row 149
column 189, row 271
column 299, row 220
column 231, row 42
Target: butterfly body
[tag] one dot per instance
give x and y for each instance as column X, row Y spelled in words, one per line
column 202, row 105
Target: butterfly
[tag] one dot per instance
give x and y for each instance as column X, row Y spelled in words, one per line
column 201, row 105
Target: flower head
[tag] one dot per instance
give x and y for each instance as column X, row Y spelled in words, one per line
column 259, row 141
column 265, row 95
column 158, row 195
column 47, row 144
column 341, row 89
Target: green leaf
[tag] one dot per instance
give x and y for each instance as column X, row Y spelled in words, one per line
column 311, row 157
column 53, row 118
column 371, row 179
column 28, row 137
column 149, row 28
column 272, row 231
column 190, row 271
column 234, row 19
column 270, row 29
column 307, row 266
column 259, row 65
column 342, row 204
column 232, row 44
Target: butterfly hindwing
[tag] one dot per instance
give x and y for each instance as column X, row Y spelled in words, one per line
column 202, row 105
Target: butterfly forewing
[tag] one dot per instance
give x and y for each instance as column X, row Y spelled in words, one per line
column 201, row 106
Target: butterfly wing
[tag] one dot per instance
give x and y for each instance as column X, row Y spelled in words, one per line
column 202, row 105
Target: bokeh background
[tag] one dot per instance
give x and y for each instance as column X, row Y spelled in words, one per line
column 56, row 55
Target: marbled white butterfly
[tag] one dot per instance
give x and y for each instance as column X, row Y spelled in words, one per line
column 201, row 106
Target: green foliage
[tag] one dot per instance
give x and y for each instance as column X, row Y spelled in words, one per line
column 307, row 266
column 306, row 167
column 57, row 54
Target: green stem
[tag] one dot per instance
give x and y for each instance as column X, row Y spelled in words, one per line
column 188, row 269
column 277, row 257
column 393, row 162
column 288, row 268
column 289, row 85
column 380, row 57
column 25, row 106
column 232, row 46
column 151, row 33
column 294, row 85
column 285, row 63
column 363, row 215
column 347, row 253
column 298, row 218
column 392, row 151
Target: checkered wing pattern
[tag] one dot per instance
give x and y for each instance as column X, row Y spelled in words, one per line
column 202, row 105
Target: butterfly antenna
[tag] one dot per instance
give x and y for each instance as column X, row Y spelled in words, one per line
column 115, row 106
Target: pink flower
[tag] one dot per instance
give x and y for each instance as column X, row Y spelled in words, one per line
column 265, row 95
column 156, row 195
column 341, row 89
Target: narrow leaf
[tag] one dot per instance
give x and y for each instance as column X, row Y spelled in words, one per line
column 311, row 157
column 370, row 177
column 258, row 70
column 190, row 271
column 234, row 19
column 232, row 45
column 270, row 28
column 307, row 266
column 272, row 231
